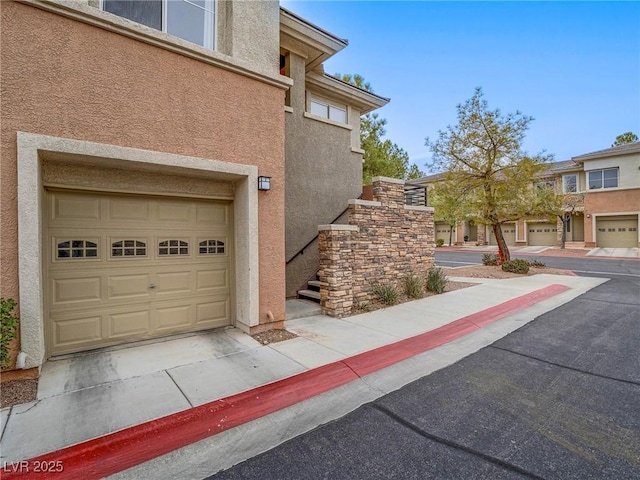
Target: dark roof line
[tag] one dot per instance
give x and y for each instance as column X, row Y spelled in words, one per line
column 333, row 77
column 315, row 27
column 626, row 148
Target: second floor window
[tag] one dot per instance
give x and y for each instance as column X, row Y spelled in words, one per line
column 569, row 183
column 323, row 109
column 191, row 20
column 603, row 179
column 547, row 184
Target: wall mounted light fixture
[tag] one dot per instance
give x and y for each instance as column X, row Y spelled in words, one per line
column 264, row 183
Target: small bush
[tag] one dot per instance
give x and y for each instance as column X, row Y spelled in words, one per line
column 386, row 293
column 490, row 259
column 413, row 286
column 516, row 266
column 8, row 330
column 439, row 242
column 361, row 306
column 436, row 280
column 536, row 263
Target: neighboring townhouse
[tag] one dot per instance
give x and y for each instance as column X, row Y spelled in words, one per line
column 610, row 181
column 133, row 137
column 323, row 158
column 601, row 196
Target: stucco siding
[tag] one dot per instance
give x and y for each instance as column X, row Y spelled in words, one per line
column 68, row 79
column 629, row 165
column 322, row 175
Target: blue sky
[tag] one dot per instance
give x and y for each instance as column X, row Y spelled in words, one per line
column 573, row 66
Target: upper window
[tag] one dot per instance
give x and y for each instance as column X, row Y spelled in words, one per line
column 603, row 178
column 191, row 20
column 570, row 183
column 323, row 109
column 551, row 184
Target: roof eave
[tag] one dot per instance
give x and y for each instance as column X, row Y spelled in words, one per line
column 365, row 101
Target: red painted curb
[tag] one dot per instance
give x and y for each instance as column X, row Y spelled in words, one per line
column 117, row 451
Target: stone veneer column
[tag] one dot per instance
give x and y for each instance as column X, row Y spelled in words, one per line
column 388, row 191
column 336, row 258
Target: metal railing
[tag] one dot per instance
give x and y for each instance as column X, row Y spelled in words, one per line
column 415, row 194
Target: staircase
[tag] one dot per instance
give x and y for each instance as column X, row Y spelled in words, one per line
column 312, row 292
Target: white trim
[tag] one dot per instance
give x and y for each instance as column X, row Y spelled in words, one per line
column 364, row 203
column 419, row 208
column 334, row 227
column 311, row 116
column 33, row 147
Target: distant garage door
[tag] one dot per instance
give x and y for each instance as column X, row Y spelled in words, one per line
column 508, row 232
column 123, row 268
column 621, row 231
column 542, row 234
column 442, row 232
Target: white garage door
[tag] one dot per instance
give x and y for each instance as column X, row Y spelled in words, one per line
column 617, row 232
column 125, row 268
column 508, row 232
column 542, row 234
column 442, row 232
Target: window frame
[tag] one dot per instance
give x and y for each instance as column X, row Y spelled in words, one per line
column 564, row 183
column 328, row 105
column 602, row 180
column 210, row 21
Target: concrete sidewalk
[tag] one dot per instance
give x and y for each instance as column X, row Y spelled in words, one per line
column 331, row 368
column 631, row 252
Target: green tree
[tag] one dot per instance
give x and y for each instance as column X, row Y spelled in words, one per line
column 485, row 167
column 447, row 205
column 381, row 157
column 623, row 139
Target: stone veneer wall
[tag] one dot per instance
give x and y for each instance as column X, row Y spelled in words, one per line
column 384, row 241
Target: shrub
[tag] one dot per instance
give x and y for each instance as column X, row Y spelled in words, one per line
column 516, row 266
column 361, row 306
column 8, row 329
column 436, row 280
column 413, row 286
column 536, row 263
column 490, row 259
column 386, row 293
column 439, row 242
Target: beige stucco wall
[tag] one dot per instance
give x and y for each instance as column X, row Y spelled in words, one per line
column 322, row 175
column 68, row 79
column 629, row 165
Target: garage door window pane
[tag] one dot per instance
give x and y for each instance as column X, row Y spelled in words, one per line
column 76, row 249
column 128, row 248
column 211, row 247
column 173, row 248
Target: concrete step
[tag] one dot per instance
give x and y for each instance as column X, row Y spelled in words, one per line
column 309, row 294
column 299, row 308
column 314, row 285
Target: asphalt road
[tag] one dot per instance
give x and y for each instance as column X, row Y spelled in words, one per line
column 628, row 269
column 557, row 399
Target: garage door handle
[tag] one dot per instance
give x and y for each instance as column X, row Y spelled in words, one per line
column 152, row 285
